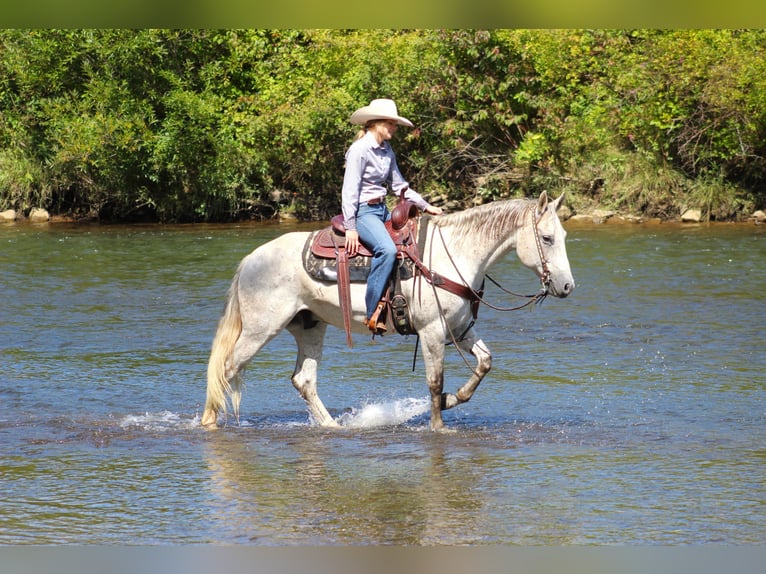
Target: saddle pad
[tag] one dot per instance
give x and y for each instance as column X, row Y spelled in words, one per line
column 325, row 268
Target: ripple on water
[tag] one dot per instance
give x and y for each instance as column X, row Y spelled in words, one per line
column 630, row 413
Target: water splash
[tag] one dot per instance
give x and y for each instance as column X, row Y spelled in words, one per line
column 384, row 414
column 161, row 421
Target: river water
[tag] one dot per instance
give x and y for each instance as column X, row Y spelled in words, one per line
column 632, row 412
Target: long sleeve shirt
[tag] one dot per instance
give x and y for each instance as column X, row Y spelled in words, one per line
column 370, row 168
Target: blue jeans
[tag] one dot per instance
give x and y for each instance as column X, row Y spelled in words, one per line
column 373, row 234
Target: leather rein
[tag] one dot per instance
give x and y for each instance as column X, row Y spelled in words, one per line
column 474, row 296
column 467, row 292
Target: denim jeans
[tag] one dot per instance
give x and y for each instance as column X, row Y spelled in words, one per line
column 373, row 234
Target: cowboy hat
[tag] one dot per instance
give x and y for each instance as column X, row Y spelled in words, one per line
column 380, row 109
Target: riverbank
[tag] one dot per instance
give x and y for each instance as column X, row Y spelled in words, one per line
column 592, row 214
column 608, row 216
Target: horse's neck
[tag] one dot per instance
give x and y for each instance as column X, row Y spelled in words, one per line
column 477, row 258
column 478, row 239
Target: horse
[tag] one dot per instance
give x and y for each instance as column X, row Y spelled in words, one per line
column 272, row 291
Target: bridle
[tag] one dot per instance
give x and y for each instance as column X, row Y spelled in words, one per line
column 545, row 278
column 477, row 296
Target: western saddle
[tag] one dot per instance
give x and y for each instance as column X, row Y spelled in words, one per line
column 408, row 232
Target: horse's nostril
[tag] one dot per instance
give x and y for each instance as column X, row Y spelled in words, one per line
column 568, row 288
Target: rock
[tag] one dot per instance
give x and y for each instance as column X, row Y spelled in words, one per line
column 275, row 195
column 602, row 215
column 38, row 215
column 564, row 212
column 691, row 216
column 8, row 215
column 280, row 196
column 759, row 216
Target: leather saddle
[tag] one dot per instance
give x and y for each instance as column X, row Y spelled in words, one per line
column 326, row 242
column 329, row 244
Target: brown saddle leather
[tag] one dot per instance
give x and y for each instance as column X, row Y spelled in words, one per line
column 329, row 240
column 330, row 243
column 400, row 216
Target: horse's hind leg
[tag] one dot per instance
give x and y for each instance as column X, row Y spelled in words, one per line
column 249, row 343
column 309, row 335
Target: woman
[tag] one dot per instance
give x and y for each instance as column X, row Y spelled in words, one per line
column 370, row 170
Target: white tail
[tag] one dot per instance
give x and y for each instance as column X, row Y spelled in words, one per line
column 218, row 385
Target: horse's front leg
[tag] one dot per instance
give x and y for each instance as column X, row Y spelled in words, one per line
column 433, row 357
column 470, row 344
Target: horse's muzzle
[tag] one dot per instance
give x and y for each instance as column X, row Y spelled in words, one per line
column 561, row 291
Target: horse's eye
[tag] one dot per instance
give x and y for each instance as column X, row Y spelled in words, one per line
column 548, row 239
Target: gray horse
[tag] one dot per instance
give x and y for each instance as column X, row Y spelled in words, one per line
column 271, row 291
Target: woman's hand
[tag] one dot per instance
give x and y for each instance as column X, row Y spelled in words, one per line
column 352, row 242
column 434, row 210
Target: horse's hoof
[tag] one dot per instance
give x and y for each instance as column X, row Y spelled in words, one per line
column 327, row 423
column 209, row 421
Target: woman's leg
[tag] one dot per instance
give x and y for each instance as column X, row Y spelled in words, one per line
column 373, row 233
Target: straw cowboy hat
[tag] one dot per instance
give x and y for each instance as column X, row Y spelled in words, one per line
column 380, row 109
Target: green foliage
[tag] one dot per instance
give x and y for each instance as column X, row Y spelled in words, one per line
column 205, row 125
column 21, row 182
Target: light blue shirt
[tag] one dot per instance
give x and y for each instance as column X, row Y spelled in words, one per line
column 370, row 169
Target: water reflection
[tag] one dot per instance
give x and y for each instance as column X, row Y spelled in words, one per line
column 344, row 487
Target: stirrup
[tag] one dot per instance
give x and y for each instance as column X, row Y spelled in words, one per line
column 373, row 324
column 375, row 327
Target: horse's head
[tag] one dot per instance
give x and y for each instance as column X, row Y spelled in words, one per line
column 541, row 246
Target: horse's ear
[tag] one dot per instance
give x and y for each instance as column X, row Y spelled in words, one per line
column 542, row 203
column 559, row 201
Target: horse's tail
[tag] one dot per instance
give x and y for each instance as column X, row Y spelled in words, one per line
column 229, row 329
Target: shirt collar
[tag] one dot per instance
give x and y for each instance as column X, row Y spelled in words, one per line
column 373, row 142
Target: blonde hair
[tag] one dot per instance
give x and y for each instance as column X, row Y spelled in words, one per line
column 367, row 126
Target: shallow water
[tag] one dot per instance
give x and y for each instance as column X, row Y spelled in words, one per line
column 630, row 413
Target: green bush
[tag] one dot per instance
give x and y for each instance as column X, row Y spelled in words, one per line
column 22, row 182
column 219, row 125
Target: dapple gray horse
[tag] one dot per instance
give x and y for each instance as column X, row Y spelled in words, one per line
column 271, row 291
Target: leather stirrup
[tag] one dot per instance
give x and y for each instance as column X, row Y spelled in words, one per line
column 374, row 323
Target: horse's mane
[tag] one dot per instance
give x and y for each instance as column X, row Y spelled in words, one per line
column 491, row 221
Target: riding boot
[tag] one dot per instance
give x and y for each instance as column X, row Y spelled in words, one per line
column 376, row 323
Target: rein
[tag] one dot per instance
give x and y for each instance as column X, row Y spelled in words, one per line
column 477, row 296
column 537, row 298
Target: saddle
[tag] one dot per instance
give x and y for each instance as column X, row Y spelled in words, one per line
column 326, row 242
column 329, row 244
